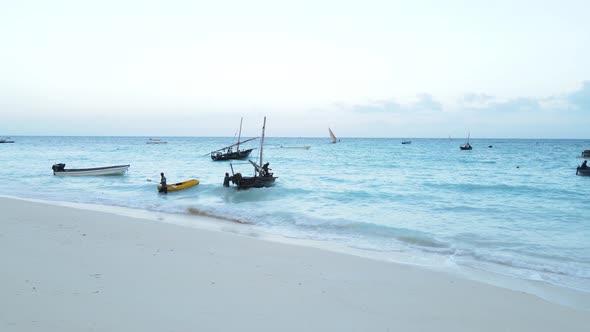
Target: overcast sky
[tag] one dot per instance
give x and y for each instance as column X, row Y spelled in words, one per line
column 364, row 68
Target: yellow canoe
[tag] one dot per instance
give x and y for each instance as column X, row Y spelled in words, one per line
column 181, row 185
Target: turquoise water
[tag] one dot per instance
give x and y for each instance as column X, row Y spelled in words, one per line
column 517, row 209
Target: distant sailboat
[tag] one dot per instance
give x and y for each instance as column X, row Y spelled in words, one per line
column 466, row 146
column 332, row 136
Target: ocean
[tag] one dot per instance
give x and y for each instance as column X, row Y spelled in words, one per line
column 515, row 209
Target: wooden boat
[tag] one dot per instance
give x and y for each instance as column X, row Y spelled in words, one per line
column 228, row 153
column 332, row 136
column 155, row 141
column 181, row 185
column 466, row 146
column 59, row 169
column 586, row 154
column 262, row 176
column 406, row 142
column 583, row 171
column 5, row 140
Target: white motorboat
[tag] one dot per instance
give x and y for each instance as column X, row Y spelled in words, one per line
column 59, row 169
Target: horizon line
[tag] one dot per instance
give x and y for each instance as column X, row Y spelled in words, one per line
column 314, row 137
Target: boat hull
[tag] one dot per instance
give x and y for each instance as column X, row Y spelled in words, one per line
column 2, row 142
column 583, row 171
column 255, row 182
column 241, row 154
column 181, row 185
column 109, row 170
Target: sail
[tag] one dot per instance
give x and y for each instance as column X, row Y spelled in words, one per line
column 332, row 136
column 240, row 135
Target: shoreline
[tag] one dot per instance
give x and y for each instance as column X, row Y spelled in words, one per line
column 72, row 269
column 561, row 295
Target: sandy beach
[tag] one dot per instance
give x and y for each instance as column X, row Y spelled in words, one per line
column 71, row 269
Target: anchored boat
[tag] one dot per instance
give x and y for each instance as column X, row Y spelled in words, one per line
column 466, row 146
column 60, row 170
column 304, row 147
column 155, row 141
column 228, row 153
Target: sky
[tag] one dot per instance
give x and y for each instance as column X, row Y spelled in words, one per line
column 514, row 69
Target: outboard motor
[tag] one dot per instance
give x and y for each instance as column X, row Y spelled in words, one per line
column 58, row 167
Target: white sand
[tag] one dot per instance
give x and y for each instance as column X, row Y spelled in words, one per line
column 68, row 269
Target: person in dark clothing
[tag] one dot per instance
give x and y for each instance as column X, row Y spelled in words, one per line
column 265, row 170
column 226, row 180
column 164, row 186
column 584, row 165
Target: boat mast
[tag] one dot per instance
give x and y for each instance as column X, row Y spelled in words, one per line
column 240, row 134
column 262, row 142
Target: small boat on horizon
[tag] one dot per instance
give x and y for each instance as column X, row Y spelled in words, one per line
column 406, row 142
column 332, row 136
column 466, row 146
column 155, row 141
column 6, row 140
column 305, row 147
column 60, row 170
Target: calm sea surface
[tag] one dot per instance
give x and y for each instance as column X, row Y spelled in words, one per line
column 516, row 209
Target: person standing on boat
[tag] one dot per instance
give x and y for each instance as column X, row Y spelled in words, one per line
column 164, row 186
column 265, row 170
column 584, row 165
